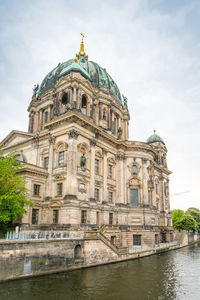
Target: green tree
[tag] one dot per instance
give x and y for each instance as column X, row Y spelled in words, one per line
column 187, row 222
column 195, row 213
column 13, row 192
column 177, row 215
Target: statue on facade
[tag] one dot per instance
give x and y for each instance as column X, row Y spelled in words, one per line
column 119, row 133
column 83, row 161
column 125, row 100
column 35, row 90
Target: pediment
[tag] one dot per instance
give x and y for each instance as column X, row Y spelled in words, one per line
column 15, row 137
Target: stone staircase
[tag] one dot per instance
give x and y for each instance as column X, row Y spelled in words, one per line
column 99, row 235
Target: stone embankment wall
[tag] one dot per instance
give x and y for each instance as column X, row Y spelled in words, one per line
column 20, row 259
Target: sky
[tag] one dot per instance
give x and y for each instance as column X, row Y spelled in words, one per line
column 151, row 48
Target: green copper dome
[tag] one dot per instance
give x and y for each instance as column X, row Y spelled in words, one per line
column 155, row 139
column 98, row 76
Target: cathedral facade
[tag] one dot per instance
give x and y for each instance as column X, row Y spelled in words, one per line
column 82, row 171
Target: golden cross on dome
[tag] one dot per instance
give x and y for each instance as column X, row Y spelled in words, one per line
column 82, row 36
column 154, row 131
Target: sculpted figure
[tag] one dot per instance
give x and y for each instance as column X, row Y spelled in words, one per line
column 35, row 90
column 125, row 100
column 83, row 161
column 119, row 133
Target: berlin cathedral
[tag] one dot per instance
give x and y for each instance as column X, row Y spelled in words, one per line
column 82, row 171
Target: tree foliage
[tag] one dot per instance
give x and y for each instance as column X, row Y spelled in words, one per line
column 13, row 192
column 177, row 215
column 195, row 213
column 184, row 221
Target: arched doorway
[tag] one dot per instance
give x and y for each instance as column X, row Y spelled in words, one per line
column 77, row 252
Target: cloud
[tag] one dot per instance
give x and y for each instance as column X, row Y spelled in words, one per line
column 150, row 50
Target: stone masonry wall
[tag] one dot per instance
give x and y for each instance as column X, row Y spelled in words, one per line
column 18, row 259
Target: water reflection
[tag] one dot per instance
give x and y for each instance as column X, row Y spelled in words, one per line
column 172, row 275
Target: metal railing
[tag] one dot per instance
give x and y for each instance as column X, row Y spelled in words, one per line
column 22, row 236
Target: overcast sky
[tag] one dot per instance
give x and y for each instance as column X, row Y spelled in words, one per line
column 151, row 48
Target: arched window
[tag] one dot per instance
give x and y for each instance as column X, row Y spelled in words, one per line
column 83, row 104
column 65, row 99
column 77, row 252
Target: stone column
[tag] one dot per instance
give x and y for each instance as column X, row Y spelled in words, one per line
column 105, row 175
column 74, row 98
column 88, row 107
column 92, row 166
column 144, row 198
column 72, row 187
column 120, row 179
column 50, row 164
column 49, row 113
column 40, row 119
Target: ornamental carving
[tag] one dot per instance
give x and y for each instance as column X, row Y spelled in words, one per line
column 93, row 142
column 120, row 156
column 36, row 139
column 51, row 139
column 73, row 134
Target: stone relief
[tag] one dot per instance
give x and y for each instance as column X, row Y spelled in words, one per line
column 73, row 134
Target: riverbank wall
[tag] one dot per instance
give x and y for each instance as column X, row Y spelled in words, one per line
column 20, row 259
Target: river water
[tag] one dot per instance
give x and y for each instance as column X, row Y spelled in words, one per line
column 170, row 275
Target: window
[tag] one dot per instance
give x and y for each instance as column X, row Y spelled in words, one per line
column 134, row 170
column 83, row 216
column 83, row 104
column 110, row 197
column 35, row 214
column 156, row 188
column 149, row 196
column 110, row 218
column 104, row 115
column 36, row 189
column 96, row 166
column 45, row 116
column 96, row 194
column 46, row 162
column 112, row 239
column 156, row 239
column 65, row 99
column 61, row 158
column 59, row 188
column 165, row 189
column 109, row 171
column 115, row 126
column 134, row 197
column 97, row 218
column 136, row 239
column 163, row 237
column 55, row 216
column 18, row 157
column 149, row 171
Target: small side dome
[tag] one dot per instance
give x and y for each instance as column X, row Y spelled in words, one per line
column 155, row 139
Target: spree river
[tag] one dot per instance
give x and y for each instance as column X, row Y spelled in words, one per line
column 170, row 275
